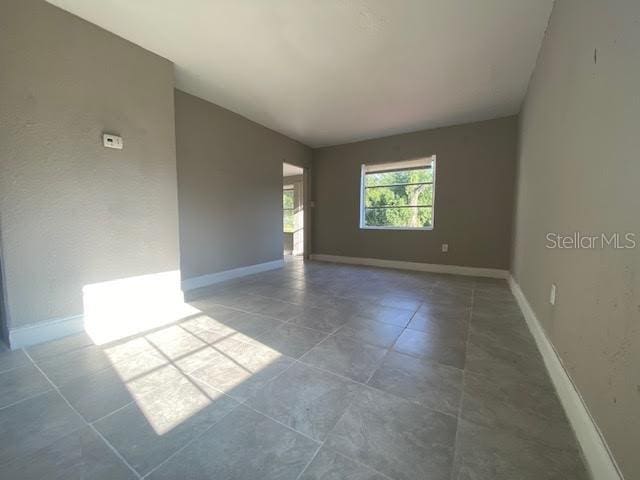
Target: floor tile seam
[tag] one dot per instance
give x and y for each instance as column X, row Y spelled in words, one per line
column 226, row 394
column 377, row 389
column 99, row 370
column 315, row 454
column 343, row 454
column 204, row 311
column 18, row 366
column 378, row 365
column 362, row 464
column 524, row 437
column 30, row 397
column 106, row 442
column 518, row 351
column 353, row 299
column 462, row 392
column 57, row 354
column 431, row 361
column 408, row 327
column 288, row 427
column 291, row 322
column 337, row 331
column 21, row 456
column 183, row 372
column 328, row 294
column 428, row 359
column 253, row 340
column 266, row 316
column 113, row 412
column 334, row 334
column 189, row 375
column 190, row 442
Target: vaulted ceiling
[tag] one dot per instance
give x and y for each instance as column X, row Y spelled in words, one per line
column 326, row 72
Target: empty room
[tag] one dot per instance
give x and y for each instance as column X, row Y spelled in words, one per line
column 319, row 240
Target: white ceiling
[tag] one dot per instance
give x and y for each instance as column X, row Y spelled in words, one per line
column 289, row 170
column 335, row 71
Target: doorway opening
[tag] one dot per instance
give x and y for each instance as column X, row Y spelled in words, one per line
column 4, row 321
column 292, row 210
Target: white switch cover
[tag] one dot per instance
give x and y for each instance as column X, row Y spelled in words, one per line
column 445, row 247
column 552, row 294
column 112, row 141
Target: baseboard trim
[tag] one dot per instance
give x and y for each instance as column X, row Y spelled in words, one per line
column 598, row 457
column 44, row 332
column 417, row 266
column 213, row 278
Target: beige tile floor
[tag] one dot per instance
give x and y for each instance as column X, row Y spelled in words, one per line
column 314, row 371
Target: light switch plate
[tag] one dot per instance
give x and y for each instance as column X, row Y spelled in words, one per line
column 552, row 294
column 112, row 141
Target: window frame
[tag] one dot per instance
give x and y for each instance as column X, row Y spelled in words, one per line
column 363, row 172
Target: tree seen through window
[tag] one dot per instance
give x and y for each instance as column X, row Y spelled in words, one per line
column 399, row 198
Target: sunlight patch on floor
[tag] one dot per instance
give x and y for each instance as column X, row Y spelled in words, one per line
column 174, row 372
column 120, row 308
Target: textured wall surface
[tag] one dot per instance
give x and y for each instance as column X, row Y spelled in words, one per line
column 229, row 187
column 579, row 172
column 73, row 212
column 475, row 169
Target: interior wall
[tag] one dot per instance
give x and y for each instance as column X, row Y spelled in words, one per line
column 74, row 212
column 579, row 172
column 229, row 187
column 475, row 175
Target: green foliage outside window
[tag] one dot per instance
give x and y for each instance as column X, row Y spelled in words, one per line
column 288, row 217
column 401, row 198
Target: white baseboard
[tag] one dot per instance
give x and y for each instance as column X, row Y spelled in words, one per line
column 600, row 461
column 212, row 278
column 418, row 266
column 46, row 331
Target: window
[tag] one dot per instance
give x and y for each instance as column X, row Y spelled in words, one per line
column 288, row 209
column 398, row 195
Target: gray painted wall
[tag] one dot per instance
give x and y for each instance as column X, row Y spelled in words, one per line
column 475, row 170
column 579, row 172
column 74, row 212
column 229, row 187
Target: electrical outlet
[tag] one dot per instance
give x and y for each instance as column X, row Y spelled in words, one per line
column 445, row 247
column 552, row 294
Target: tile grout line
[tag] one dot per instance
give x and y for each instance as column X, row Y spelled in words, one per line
column 22, row 349
column 225, row 394
column 290, row 321
column 362, row 464
column 157, row 467
column 308, row 365
column 388, row 350
column 288, row 427
column 343, row 455
column 30, row 397
column 313, row 457
column 327, row 436
column 459, row 415
column 344, row 378
column 107, row 443
column 391, row 347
